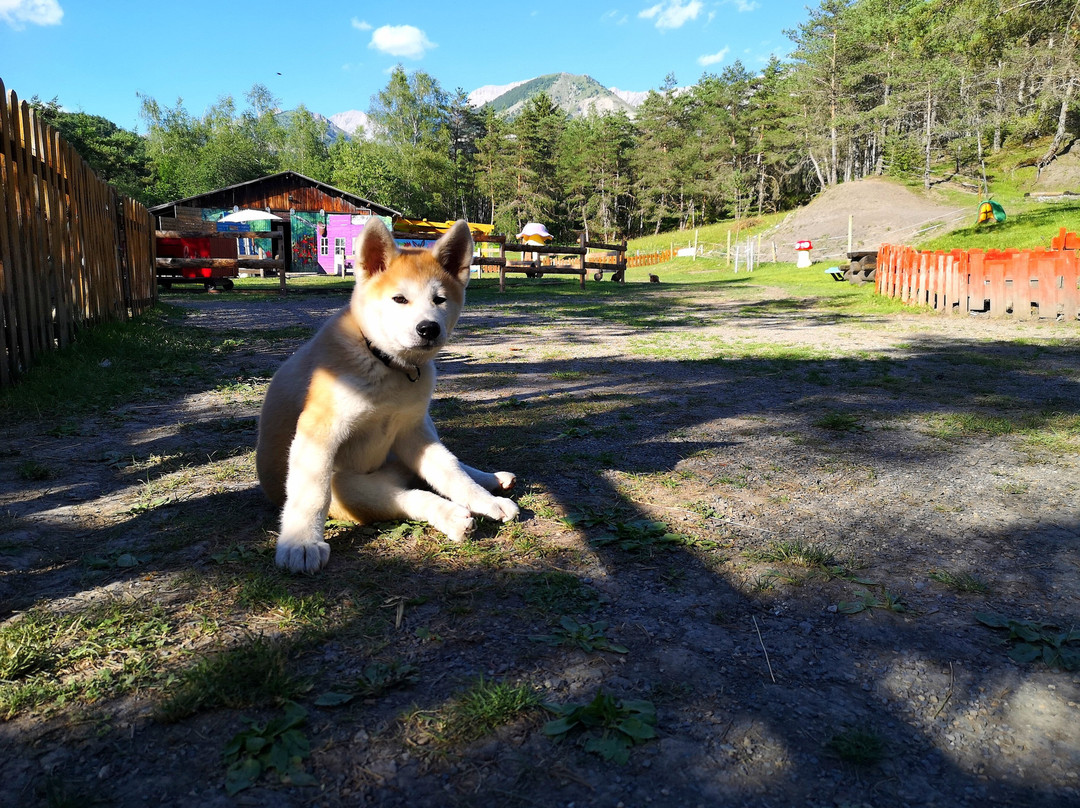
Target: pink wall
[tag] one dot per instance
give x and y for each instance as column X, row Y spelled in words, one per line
column 343, row 226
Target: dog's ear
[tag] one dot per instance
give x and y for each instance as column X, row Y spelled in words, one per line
column 377, row 248
column 454, row 251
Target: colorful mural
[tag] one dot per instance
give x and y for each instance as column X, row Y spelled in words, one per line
column 305, row 229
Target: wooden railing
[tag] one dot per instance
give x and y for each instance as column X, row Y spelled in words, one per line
column 73, row 252
column 578, row 262
column 1037, row 284
column 177, row 270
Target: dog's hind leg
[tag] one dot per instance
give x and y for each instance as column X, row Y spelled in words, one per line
column 386, row 495
column 497, row 481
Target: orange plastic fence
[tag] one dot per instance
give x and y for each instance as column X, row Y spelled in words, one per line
column 1028, row 284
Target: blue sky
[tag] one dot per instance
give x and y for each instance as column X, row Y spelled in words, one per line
column 97, row 56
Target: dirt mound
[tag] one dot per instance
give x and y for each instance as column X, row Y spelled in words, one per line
column 1063, row 174
column 881, row 211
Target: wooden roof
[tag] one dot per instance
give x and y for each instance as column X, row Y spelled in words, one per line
column 282, row 191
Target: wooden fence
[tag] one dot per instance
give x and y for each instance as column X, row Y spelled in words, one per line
column 649, row 259
column 576, row 259
column 73, row 252
column 1036, row 284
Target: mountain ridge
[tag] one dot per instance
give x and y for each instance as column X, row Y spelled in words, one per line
column 577, row 95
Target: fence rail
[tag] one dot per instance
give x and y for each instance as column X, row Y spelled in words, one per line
column 576, row 259
column 1035, row 284
column 73, row 252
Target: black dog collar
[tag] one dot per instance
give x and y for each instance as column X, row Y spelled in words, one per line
column 387, row 360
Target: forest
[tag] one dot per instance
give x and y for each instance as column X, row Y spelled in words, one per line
column 924, row 90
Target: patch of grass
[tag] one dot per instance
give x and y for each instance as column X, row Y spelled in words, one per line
column 34, row 471
column 474, row 713
column 836, row 421
column 105, row 650
column 557, row 592
column 110, row 364
column 961, row 581
column 255, row 673
column 970, row 424
column 860, row 747
column 796, row 552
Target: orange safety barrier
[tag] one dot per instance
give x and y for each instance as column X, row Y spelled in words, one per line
column 1028, row 284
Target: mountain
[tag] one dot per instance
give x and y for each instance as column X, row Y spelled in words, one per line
column 577, row 96
column 351, row 121
column 333, row 131
column 489, row 92
column 631, row 97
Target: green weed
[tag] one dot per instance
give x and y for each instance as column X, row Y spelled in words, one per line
column 278, row 744
column 606, row 726
column 634, row 536
column 586, row 636
column 376, row 678
column 1030, row 640
column 865, row 601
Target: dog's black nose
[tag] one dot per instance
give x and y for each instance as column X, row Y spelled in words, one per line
column 428, row 330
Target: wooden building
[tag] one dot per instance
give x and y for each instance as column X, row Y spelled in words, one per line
column 325, row 220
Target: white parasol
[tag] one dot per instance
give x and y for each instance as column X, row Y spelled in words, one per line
column 250, row 216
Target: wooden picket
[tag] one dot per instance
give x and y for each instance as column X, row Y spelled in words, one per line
column 73, row 252
column 1035, row 284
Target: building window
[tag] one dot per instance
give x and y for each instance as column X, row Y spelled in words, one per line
column 324, row 245
column 339, row 246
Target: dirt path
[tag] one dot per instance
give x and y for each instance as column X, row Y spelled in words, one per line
column 839, row 498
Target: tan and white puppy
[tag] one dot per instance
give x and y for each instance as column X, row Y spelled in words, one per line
column 345, row 431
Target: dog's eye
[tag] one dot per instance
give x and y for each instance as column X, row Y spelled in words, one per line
column 438, row 300
column 400, row 299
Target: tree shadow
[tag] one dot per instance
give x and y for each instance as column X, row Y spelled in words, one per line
column 580, row 430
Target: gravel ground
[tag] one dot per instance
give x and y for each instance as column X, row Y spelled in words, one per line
column 903, row 449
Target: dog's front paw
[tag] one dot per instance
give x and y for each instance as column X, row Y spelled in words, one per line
column 301, row 555
column 506, row 479
column 458, row 525
column 501, row 509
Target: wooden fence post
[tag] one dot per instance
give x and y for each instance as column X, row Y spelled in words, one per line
column 286, row 254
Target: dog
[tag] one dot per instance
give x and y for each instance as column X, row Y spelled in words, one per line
column 345, row 431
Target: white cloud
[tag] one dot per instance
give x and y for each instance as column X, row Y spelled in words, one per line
column 672, row 13
column 401, row 40
column 713, row 58
column 360, row 25
column 17, row 13
column 614, row 16
column 745, row 5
